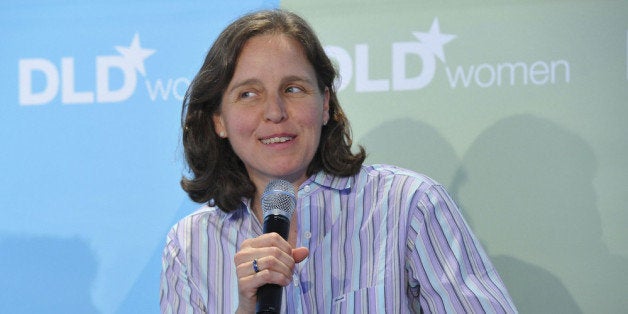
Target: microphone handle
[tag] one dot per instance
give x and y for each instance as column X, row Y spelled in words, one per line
column 277, row 223
column 269, row 299
column 269, row 295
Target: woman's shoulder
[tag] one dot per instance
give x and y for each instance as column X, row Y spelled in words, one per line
column 205, row 211
column 206, row 214
column 392, row 172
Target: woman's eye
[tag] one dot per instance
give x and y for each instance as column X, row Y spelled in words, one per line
column 247, row 94
column 293, row 89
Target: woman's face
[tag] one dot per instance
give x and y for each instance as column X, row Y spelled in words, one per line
column 272, row 111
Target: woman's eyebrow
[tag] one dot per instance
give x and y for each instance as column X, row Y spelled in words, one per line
column 251, row 81
column 296, row 78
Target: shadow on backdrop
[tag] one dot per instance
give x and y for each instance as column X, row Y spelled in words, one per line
column 143, row 297
column 527, row 183
column 413, row 145
column 534, row 289
column 46, row 275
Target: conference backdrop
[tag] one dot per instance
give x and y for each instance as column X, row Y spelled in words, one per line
column 519, row 108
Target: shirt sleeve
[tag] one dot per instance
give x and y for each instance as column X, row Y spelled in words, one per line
column 178, row 294
column 448, row 268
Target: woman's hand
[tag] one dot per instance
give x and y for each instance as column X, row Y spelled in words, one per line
column 275, row 260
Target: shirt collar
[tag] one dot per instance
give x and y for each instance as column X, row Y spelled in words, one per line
column 325, row 179
column 242, row 210
column 320, row 178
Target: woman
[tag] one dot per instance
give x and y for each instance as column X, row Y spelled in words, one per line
column 362, row 238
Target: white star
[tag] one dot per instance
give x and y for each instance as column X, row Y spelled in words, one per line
column 135, row 55
column 434, row 40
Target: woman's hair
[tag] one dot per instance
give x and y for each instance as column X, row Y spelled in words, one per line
column 217, row 172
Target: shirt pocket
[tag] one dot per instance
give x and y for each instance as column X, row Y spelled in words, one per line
column 366, row 300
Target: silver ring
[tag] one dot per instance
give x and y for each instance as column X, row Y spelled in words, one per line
column 255, row 267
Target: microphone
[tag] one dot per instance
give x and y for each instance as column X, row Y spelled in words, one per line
column 278, row 203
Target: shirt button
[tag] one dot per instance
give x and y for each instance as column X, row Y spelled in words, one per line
column 308, row 235
column 295, row 280
column 306, row 188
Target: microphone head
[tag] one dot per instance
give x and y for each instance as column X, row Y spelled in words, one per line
column 278, row 199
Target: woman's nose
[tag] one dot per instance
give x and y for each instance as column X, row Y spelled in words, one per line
column 275, row 110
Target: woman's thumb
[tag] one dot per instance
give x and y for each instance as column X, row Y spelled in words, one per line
column 300, row 254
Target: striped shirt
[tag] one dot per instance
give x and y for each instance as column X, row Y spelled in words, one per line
column 386, row 240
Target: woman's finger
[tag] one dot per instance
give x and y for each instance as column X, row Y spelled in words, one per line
column 270, row 259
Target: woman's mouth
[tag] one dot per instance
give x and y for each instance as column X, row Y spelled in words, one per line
column 278, row 139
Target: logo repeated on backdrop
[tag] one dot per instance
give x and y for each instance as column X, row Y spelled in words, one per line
column 40, row 79
column 429, row 47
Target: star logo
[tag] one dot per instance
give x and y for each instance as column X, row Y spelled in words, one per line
column 135, row 54
column 434, row 40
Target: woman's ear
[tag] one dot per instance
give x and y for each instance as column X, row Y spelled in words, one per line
column 219, row 125
column 326, row 106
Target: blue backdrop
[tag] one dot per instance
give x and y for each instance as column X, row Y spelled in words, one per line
column 91, row 101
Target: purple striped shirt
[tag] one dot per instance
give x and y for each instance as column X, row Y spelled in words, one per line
column 386, row 240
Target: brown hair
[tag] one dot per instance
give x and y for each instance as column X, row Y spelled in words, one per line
column 217, row 172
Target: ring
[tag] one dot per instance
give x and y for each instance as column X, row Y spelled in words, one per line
column 255, row 267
